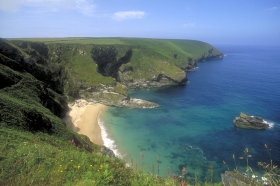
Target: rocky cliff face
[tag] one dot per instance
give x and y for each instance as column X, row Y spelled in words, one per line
column 106, row 59
column 116, row 95
column 157, row 81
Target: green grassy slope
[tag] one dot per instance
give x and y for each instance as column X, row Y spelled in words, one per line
column 36, row 75
column 36, row 147
column 150, row 58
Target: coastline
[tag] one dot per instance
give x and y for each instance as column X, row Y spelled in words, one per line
column 83, row 117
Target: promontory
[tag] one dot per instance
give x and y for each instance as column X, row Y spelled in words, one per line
column 104, row 69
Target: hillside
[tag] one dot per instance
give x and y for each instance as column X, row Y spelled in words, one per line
column 105, row 69
column 39, row 76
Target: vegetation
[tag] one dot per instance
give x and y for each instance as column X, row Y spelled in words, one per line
column 270, row 172
column 150, row 57
column 38, row 76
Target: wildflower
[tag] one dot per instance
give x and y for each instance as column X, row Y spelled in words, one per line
column 241, row 158
column 72, row 141
column 253, row 176
column 224, row 162
column 78, row 166
column 90, row 165
column 174, row 176
column 184, row 170
column 264, row 179
column 60, row 165
column 249, row 156
column 265, row 146
column 182, row 183
column 246, row 151
column 233, row 157
column 71, row 160
column 100, row 167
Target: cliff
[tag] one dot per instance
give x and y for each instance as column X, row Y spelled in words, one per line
column 104, row 69
column 39, row 76
column 48, row 73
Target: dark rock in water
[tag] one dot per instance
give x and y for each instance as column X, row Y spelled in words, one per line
column 254, row 122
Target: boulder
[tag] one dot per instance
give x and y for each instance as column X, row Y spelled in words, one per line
column 230, row 178
column 254, row 122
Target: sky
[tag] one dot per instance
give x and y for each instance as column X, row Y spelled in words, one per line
column 214, row 21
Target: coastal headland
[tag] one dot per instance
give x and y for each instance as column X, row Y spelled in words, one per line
column 40, row 77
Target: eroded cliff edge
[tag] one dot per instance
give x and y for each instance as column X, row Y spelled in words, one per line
column 104, row 70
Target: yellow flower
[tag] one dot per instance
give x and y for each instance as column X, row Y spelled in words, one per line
column 78, row 166
column 60, row 165
column 71, row 160
column 100, row 167
column 91, row 165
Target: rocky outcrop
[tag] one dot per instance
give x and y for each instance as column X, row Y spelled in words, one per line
column 107, row 152
column 192, row 63
column 235, row 178
column 209, row 56
column 133, row 64
column 253, row 122
column 106, row 59
column 115, row 95
column 157, row 81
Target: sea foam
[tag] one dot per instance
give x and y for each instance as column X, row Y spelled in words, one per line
column 271, row 124
column 107, row 141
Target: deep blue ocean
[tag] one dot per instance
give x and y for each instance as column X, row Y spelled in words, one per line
column 193, row 127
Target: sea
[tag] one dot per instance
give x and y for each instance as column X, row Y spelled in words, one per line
column 193, row 126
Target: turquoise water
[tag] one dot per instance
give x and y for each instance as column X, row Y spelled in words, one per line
column 193, row 127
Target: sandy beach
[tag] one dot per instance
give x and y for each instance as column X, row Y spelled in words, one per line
column 83, row 118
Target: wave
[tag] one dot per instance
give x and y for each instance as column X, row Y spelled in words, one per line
column 109, row 143
column 270, row 123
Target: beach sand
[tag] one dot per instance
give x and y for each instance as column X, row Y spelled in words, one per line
column 83, row 118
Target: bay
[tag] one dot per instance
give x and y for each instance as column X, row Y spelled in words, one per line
column 193, row 127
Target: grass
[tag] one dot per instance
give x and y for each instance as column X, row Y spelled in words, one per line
column 270, row 172
column 36, row 147
column 41, row 159
column 150, row 58
column 73, row 40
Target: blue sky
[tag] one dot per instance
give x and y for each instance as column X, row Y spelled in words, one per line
column 212, row 21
